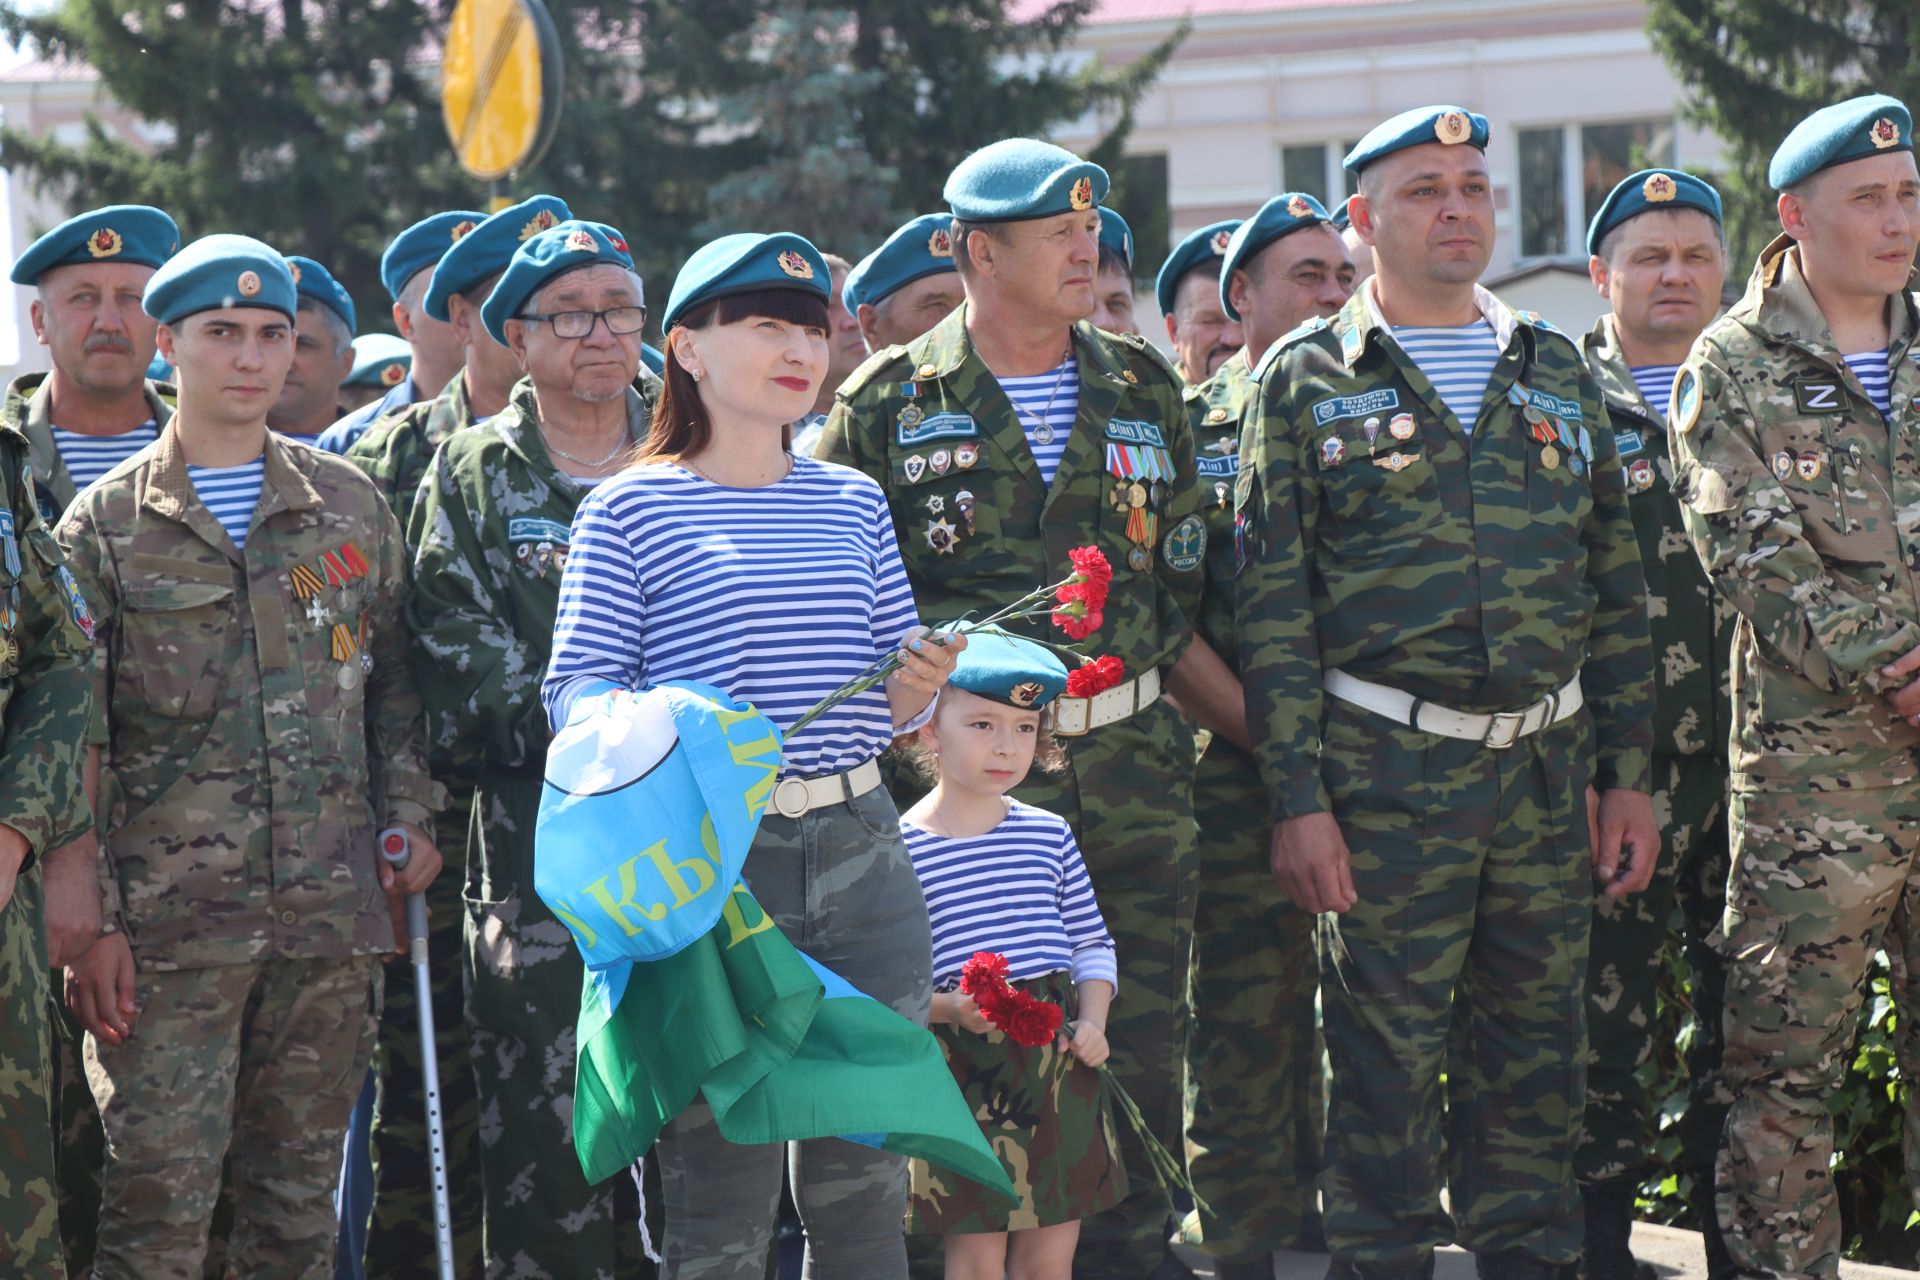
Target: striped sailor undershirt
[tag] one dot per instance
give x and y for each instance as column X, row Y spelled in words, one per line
column 1457, row 359
column 1871, row 368
column 231, row 493
column 1021, row 889
column 1656, row 384
column 1030, row 396
column 779, row 595
column 90, row 457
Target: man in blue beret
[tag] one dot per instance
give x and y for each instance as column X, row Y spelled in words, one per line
column 1658, row 258
column 1791, row 427
column 907, row 285
column 263, row 728
column 491, row 530
column 380, row 365
column 406, row 268
column 1253, row 1144
column 1187, row 288
column 1113, row 284
column 846, row 348
column 96, row 407
column 1011, row 432
column 1443, row 634
column 322, row 354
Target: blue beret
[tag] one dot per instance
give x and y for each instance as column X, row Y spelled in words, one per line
column 1208, row 244
column 220, row 271
column 924, row 247
column 1339, row 217
column 316, row 284
column 743, row 262
column 1281, row 216
column 1650, row 189
column 117, row 233
column 379, row 360
column 1006, row 668
column 421, row 246
column 484, row 252
column 653, row 358
column 1447, row 125
column 553, row 252
column 158, row 370
column 1850, row 130
column 1116, row 235
column 1020, row 178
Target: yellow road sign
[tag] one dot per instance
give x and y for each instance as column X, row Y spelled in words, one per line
column 500, row 87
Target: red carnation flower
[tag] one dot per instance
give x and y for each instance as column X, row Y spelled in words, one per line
column 1091, row 567
column 1077, row 620
column 1031, row 1021
column 1094, row 677
column 983, row 976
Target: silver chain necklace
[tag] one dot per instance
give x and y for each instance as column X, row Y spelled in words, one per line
column 557, row 451
column 1043, row 433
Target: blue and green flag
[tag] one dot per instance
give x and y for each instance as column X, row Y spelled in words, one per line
column 650, row 804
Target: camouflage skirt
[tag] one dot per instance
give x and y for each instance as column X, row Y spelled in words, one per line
column 1047, row 1118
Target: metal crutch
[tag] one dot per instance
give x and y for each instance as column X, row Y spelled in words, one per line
column 396, row 849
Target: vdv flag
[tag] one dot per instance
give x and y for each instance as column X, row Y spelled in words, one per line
column 650, row 804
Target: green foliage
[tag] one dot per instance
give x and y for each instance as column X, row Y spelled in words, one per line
column 1869, row 1174
column 315, row 124
column 1756, row 68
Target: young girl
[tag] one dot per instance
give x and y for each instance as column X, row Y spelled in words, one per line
column 1004, row 877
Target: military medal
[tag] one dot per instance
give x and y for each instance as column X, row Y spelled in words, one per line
column 941, row 537
column 345, row 650
column 936, row 504
column 1550, row 457
column 1220, row 492
column 1782, row 465
column 542, row 557
column 1140, row 476
column 316, row 612
column 1119, row 495
column 1401, row 426
column 915, row 467
column 1333, row 451
column 964, row 501
column 965, row 455
column 911, row 415
column 1640, row 475
column 9, row 651
column 1395, row 462
column 941, row 462
column 1136, row 495
column 1371, row 429
column 1140, row 559
column 1810, row 466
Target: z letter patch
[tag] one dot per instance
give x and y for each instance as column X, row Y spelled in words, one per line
column 1813, row 395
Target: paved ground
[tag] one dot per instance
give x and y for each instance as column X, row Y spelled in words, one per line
column 1675, row 1254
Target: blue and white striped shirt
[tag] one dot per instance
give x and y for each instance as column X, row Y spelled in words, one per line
column 231, row 493
column 1457, row 359
column 778, row 595
column 1021, row 890
column 90, row 457
column 1871, row 368
column 1656, row 384
column 1031, row 396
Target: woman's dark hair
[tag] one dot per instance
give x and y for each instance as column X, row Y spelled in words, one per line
column 681, row 427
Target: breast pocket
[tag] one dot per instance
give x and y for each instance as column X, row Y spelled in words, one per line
column 1559, row 499
column 1375, row 492
column 1801, row 453
column 947, row 496
column 176, row 640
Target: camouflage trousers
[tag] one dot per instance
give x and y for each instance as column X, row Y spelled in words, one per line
column 29, row 1208
column 1253, row 1058
column 1821, row 877
column 838, row 882
column 540, row 1218
column 1466, row 951
column 259, row 1062
column 1623, row 974
column 400, row 1235
column 1128, row 795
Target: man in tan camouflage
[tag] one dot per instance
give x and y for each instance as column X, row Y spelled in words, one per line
column 263, row 728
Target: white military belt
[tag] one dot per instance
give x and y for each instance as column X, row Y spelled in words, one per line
column 795, row 796
column 1075, row 717
column 1499, row 730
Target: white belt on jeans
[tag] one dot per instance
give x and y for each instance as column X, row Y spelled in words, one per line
column 1499, row 731
column 795, row 796
column 1073, row 717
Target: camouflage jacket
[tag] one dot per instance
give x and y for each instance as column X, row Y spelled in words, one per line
column 249, row 752
column 1799, row 498
column 25, row 410
column 931, row 424
column 1376, row 541
column 46, row 693
column 1214, row 409
column 396, row 451
column 1691, row 623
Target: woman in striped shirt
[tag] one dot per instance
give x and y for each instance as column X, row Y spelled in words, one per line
column 723, row 558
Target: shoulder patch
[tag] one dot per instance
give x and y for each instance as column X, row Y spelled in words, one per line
column 857, row 380
column 1145, row 352
column 1683, row 410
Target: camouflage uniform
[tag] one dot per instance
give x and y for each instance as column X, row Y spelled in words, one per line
column 1481, row 581
column 492, row 529
column 1798, row 504
column 245, row 769
column 1253, row 1141
column 83, row 1147
column 395, row 453
column 1127, row 792
column 1691, row 626
column 46, row 700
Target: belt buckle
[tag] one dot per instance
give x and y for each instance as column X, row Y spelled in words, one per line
column 1505, row 730
column 791, row 798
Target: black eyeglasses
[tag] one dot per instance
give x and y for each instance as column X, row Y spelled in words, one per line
column 578, row 324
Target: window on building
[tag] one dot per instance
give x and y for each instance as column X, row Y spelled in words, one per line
column 1304, row 168
column 1567, row 170
column 1140, row 196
